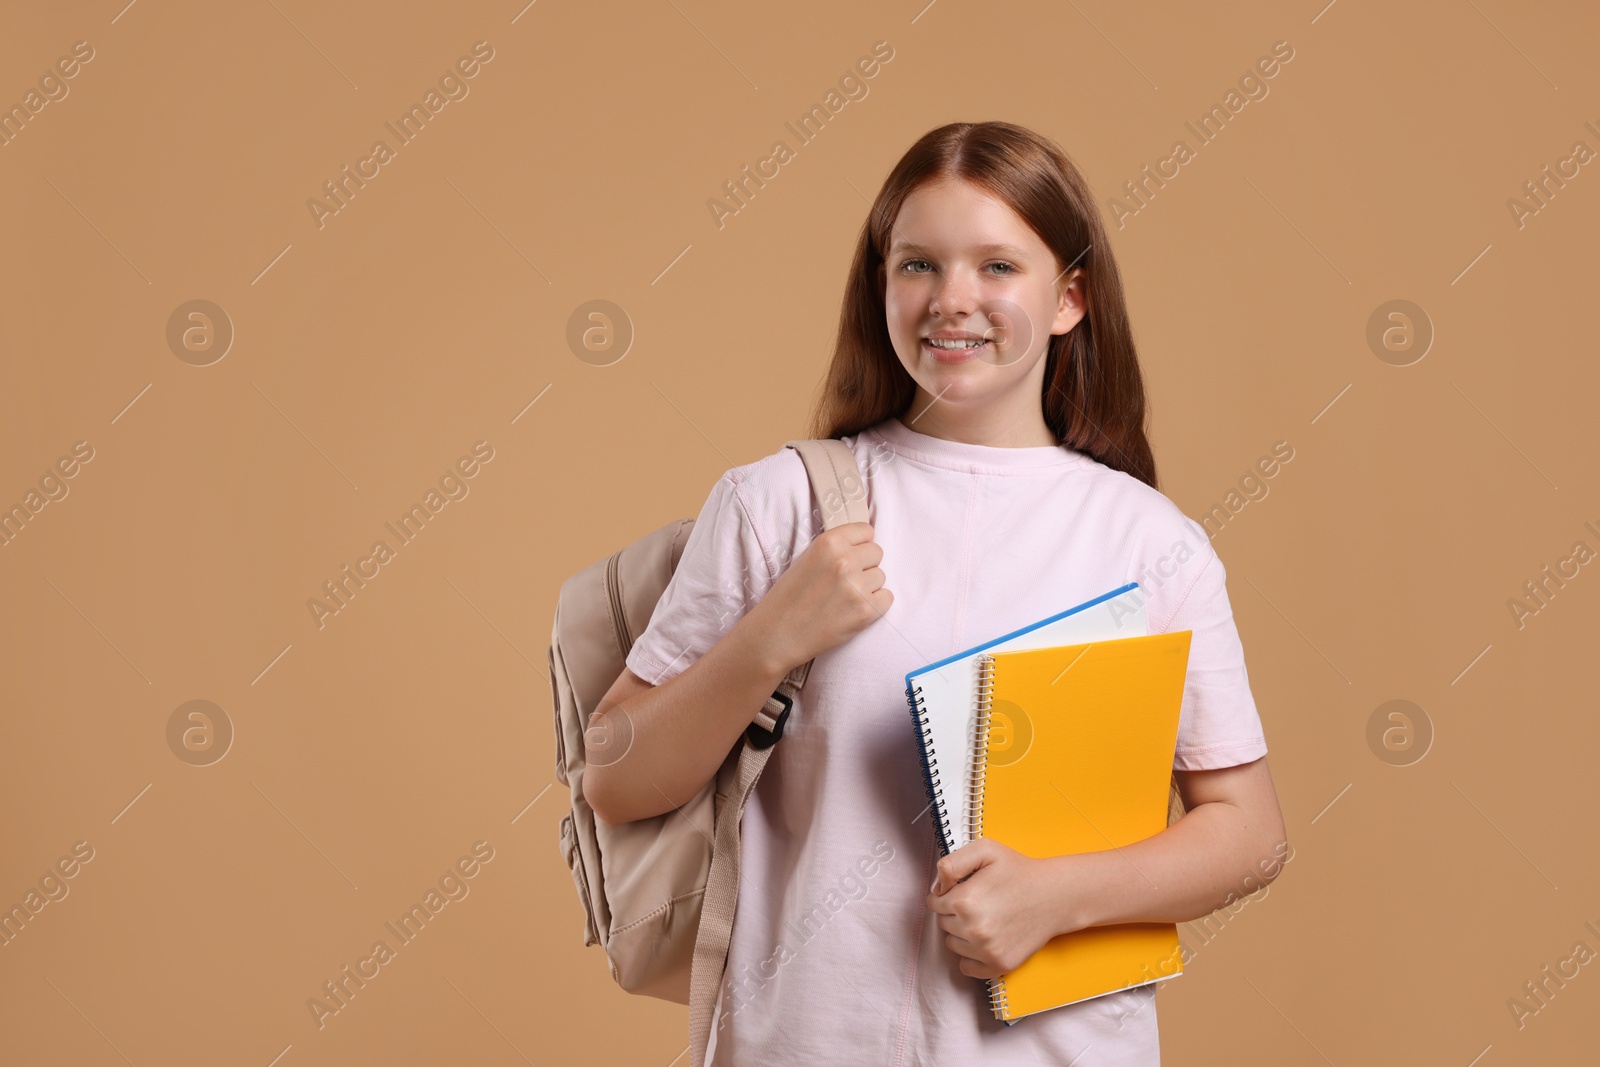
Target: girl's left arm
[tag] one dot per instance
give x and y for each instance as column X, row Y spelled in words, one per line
column 1230, row 843
column 998, row 906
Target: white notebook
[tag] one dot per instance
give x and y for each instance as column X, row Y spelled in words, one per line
column 943, row 697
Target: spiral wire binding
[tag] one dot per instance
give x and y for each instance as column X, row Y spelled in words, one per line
column 998, row 1002
column 980, row 748
column 930, row 768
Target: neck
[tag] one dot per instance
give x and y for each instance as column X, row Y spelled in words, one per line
column 991, row 425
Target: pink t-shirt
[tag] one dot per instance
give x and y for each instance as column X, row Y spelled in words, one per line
column 834, row 956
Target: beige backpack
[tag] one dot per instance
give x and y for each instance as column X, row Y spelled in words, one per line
column 659, row 894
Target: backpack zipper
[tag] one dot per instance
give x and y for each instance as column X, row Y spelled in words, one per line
column 618, row 617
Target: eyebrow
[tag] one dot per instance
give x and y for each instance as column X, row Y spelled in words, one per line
column 1010, row 250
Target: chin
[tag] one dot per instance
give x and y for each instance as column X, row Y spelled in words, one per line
column 951, row 389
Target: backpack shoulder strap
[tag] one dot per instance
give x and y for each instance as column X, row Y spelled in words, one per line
column 838, row 487
column 835, row 480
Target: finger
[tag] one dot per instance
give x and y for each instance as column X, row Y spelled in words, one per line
column 953, row 924
column 854, row 533
column 869, row 597
column 962, row 947
column 962, row 863
column 867, row 553
column 975, row 969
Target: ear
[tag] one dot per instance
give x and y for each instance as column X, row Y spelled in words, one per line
column 1072, row 303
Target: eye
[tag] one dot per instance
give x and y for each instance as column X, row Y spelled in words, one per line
column 907, row 267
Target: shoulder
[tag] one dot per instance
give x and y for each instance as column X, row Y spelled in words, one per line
column 775, row 495
column 785, row 469
column 776, row 469
column 1162, row 549
column 772, row 496
column 1128, row 506
column 771, row 489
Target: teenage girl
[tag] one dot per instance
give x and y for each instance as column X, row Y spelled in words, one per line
column 986, row 378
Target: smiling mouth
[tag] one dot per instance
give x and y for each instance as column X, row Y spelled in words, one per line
column 954, row 351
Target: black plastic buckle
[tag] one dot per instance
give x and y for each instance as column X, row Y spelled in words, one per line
column 759, row 736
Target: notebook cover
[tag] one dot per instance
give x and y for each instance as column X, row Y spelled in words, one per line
column 943, row 698
column 1078, row 744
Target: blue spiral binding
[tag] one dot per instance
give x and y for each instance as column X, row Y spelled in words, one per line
column 930, row 769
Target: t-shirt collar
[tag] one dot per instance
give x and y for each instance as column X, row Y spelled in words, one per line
column 958, row 455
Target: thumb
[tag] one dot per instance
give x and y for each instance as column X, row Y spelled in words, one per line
column 960, row 864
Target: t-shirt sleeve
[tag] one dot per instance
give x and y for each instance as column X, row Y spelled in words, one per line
column 723, row 572
column 1218, row 725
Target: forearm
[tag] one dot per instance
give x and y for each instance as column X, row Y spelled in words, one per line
column 1204, row 861
column 664, row 744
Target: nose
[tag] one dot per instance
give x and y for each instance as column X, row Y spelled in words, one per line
column 955, row 297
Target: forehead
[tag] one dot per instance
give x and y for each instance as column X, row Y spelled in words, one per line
column 957, row 216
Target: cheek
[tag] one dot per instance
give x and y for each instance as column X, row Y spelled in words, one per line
column 1024, row 318
column 903, row 314
column 900, row 302
column 1044, row 307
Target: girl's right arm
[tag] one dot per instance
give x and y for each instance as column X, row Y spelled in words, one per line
column 650, row 748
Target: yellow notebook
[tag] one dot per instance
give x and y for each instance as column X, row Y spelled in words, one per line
column 1077, row 745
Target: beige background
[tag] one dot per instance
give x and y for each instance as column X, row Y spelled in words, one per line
column 369, row 754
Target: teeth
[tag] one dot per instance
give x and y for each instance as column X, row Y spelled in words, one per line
column 940, row 343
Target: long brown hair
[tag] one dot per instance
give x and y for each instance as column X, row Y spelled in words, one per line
column 1093, row 394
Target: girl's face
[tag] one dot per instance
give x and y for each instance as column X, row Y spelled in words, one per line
column 965, row 270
